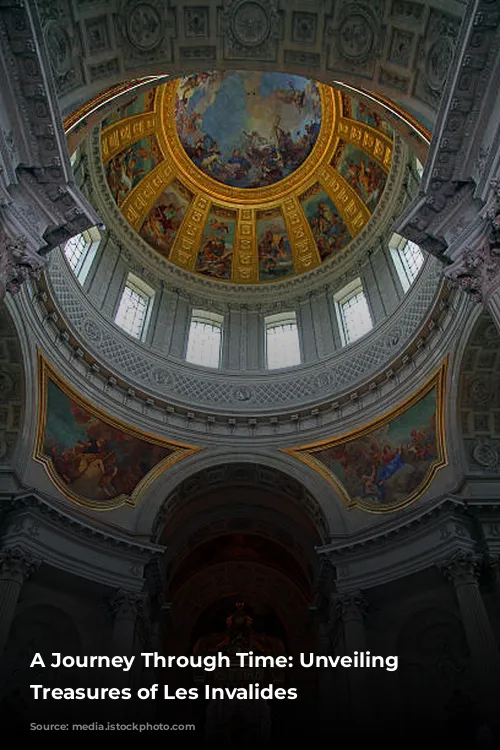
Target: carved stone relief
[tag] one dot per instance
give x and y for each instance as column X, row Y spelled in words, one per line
column 251, row 29
column 435, row 56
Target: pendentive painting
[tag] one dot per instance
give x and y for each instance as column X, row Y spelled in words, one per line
column 361, row 172
column 328, row 227
column 386, row 465
column 247, row 129
column 275, row 254
column 161, row 225
column 215, row 257
column 125, row 170
column 93, row 459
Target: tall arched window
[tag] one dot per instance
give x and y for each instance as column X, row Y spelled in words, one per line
column 204, row 345
column 408, row 259
column 80, row 251
column 282, row 341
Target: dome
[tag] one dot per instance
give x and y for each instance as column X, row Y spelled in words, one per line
column 246, row 177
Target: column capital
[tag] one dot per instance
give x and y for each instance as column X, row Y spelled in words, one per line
column 18, row 263
column 461, row 568
column 16, row 564
column 477, row 270
column 125, row 603
column 351, row 606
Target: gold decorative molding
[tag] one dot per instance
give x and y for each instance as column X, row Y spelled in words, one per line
column 304, row 249
column 142, row 198
column 185, row 249
column 352, row 209
column 373, row 142
column 245, row 254
column 124, row 133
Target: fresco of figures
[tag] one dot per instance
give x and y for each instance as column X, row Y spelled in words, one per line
column 215, row 257
column 92, row 458
column 135, row 106
column 328, row 227
column 358, row 110
column 387, row 464
column 361, row 172
column 275, row 255
column 127, row 168
column 165, row 218
column 247, row 129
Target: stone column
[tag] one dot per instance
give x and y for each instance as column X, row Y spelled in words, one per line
column 462, row 570
column 351, row 609
column 15, row 567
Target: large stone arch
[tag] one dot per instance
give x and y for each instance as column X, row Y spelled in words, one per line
column 325, row 506
column 400, row 50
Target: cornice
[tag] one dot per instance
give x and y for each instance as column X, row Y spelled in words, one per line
column 15, row 506
column 326, row 408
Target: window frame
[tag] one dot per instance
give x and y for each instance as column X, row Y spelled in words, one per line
column 142, row 289
column 92, row 238
column 397, row 247
column 341, row 299
column 280, row 320
column 204, row 317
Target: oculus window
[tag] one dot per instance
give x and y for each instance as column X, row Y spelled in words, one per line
column 135, row 306
column 408, row 259
column 353, row 312
column 80, row 251
column 204, row 345
column 282, row 341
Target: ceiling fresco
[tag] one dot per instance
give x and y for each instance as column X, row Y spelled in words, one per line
column 95, row 460
column 246, row 177
column 389, row 463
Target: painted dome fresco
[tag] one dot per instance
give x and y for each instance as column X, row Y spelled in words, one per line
column 246, row 177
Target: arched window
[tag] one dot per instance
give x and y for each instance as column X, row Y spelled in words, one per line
column 80, row 251
column 408, row 259
column 282, row 341
column 135, row 306
column 204, row 345
column 353, row 312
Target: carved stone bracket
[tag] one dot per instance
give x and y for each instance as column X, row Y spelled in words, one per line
column 18, row 262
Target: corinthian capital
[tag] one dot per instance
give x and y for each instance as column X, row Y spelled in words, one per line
column 16, row 564
column 477, row 271
column 462, row 567
column 18, row 263
column 126, row 603
column 351, row 606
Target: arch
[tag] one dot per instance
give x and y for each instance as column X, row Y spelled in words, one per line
column 324, row 504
